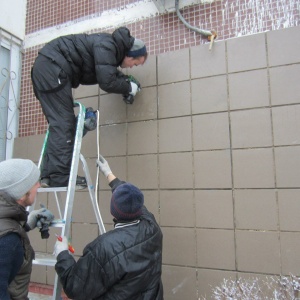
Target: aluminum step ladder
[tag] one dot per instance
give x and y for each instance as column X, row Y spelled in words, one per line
column 65, row 215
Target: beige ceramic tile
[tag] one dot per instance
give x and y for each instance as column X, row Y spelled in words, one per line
column 174, row 99
column 179, row 246
column 212, row 169
column 82, row 234
column 168, row 70
column 211, row 131
column 177, row 208
column 112, row 109
column 175, row 170
column 287, row 54
column 258, row 251
column 289, row 207
column 83, row 211
column 209, row 95
column 144, row 106
column 242, row 93
column 253, row 168
column 240, row 53
column 142, row 137
column 179, row 283
column 286, row 124
column 287, row 163
column 208, row 63
column 35, row 145
column 175, row 134
column 215, row 249
column 284, row 84
column 251, row 128
column 21, row 147
column 143, row 171
column 151, row 201
column 256, row 209
column 214, row 209
column 290, row 247
column 113, row 140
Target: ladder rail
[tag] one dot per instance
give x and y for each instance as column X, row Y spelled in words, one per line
column 74, row 169
column 91, row 189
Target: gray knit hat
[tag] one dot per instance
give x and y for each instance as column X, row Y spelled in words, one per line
column 18, row 176
column 138, row 49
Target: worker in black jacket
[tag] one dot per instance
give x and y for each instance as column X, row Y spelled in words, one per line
column 65, row 63
column 122, row 264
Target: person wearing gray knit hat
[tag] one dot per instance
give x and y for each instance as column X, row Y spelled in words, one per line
column 80, row 59
column 19, row 181
column 128, row 258
column 18, row 176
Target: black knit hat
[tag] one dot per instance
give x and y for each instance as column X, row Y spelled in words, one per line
column 126, row 202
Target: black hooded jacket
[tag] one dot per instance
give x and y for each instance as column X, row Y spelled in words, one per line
column 94, row 58
column 122, row 264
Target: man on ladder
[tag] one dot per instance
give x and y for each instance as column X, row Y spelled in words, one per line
column 63, row 64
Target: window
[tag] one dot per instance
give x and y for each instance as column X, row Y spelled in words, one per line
column 10, row 70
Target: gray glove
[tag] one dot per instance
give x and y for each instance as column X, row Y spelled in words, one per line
column 103, row 166
column 38, row 217
column 61, row 246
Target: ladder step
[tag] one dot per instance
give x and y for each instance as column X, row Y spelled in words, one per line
column 53, row 189
column 44, row 259
column 58, row 223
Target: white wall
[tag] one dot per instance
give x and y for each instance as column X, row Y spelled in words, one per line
column 12, row 17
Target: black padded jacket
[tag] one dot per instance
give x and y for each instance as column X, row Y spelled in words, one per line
column 122, row 264
column 93, row 58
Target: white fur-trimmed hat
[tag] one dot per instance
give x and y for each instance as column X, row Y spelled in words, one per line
column 18, row 176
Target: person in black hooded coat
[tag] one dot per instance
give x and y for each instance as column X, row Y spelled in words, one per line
column 122, row 264
column 65, row 63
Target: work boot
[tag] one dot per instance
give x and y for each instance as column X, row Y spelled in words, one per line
column 81, row 183
column 45, row 182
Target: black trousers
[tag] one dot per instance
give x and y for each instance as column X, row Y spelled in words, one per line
column 53, row 89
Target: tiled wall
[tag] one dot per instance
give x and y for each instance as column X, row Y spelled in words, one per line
column 213, row 140
column 161, row 33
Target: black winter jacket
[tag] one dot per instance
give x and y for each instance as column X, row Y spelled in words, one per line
column 122, row 264
column 92, row 59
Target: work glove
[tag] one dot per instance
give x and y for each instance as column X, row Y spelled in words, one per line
column 103, row 166
column 61, row 245
column 90, row 120
column 134, row 88
column 37, row 218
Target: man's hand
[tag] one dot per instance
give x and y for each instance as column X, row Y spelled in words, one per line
column 134, row 88
column 61, row 245
column 104, row 166
column 37, row 217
